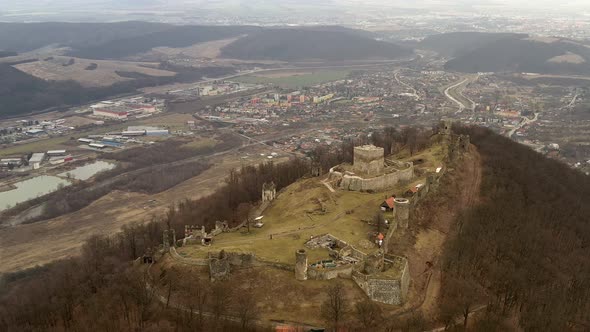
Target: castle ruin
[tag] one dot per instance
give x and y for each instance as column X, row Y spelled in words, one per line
column 269, row 192
column 370, row 171
column 384, row 278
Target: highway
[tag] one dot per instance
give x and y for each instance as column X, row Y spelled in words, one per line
column 455, row 100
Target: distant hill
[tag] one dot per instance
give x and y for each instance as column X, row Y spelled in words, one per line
column 24, row 37
column 176, row 36
column 4, row 54
column 457, row 43
column 307, row 44
column 124, row 39
column 481, row 52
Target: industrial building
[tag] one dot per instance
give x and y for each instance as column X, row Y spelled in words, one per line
column 11, row 162
column 36, row 160
column 119, row 115
column 53, row 153
column 35, row 132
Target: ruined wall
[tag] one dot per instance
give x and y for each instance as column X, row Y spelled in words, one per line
column 219, row 269
column 374, row 263
column 237, row 259
column 188, row 261
column 357, row 183
column 386, row 290
column 269, row 192
column 342, row 271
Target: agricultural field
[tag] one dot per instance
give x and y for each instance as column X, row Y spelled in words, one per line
column 89, row 73
column 211, row 50
column 295, row 79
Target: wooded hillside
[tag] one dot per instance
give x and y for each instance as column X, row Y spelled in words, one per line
column 524, row 251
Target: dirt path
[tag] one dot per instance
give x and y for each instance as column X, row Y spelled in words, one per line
column 468, row 198
column 471, row 175
column 423, row 244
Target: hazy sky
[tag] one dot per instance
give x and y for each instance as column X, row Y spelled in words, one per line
column 57, row 9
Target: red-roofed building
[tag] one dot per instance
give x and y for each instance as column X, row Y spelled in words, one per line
column 388, row 204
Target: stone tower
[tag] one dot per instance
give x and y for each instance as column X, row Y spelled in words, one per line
column 402, row 212
column 369, row 159
column 445, row 127
column 166, row 241
column 269, row 192
column 374, row 263
column 173, row 233
column 316, row 169
column 301, row 265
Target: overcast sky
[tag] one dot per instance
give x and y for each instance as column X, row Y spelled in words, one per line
column 519, row 7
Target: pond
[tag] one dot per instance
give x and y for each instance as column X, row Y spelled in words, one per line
column 29, row 189
column 87, row 171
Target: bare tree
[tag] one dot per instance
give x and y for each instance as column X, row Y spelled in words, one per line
column 220, row 294
column 368, row 313
column 334, row 307
column 171, row 280
column 246, row 308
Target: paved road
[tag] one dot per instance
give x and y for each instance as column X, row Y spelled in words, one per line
column 458, row 102
column 453, row 99
column 525, row 121
column 414, row 92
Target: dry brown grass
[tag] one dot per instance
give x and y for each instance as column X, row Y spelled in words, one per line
column 278, row 294
column 569, row 57
column 46, row 241
column 209, row 50
column 104, row 75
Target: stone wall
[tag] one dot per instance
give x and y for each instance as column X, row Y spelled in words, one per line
column 269, row 192
column 237, row 259
column 385, row 290
column 188, row 261
column 219, row 269
column 378, row 183
column 342, row 271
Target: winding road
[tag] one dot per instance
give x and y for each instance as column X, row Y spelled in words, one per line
column 400, row 82
column 525, row 121
column 455, row 100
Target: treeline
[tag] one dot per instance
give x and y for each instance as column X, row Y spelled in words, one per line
column 524, row 250
column 234, row 201
column 391, row 139
column 101, row 290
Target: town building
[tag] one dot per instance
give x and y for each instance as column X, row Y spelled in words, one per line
column 119, row 115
